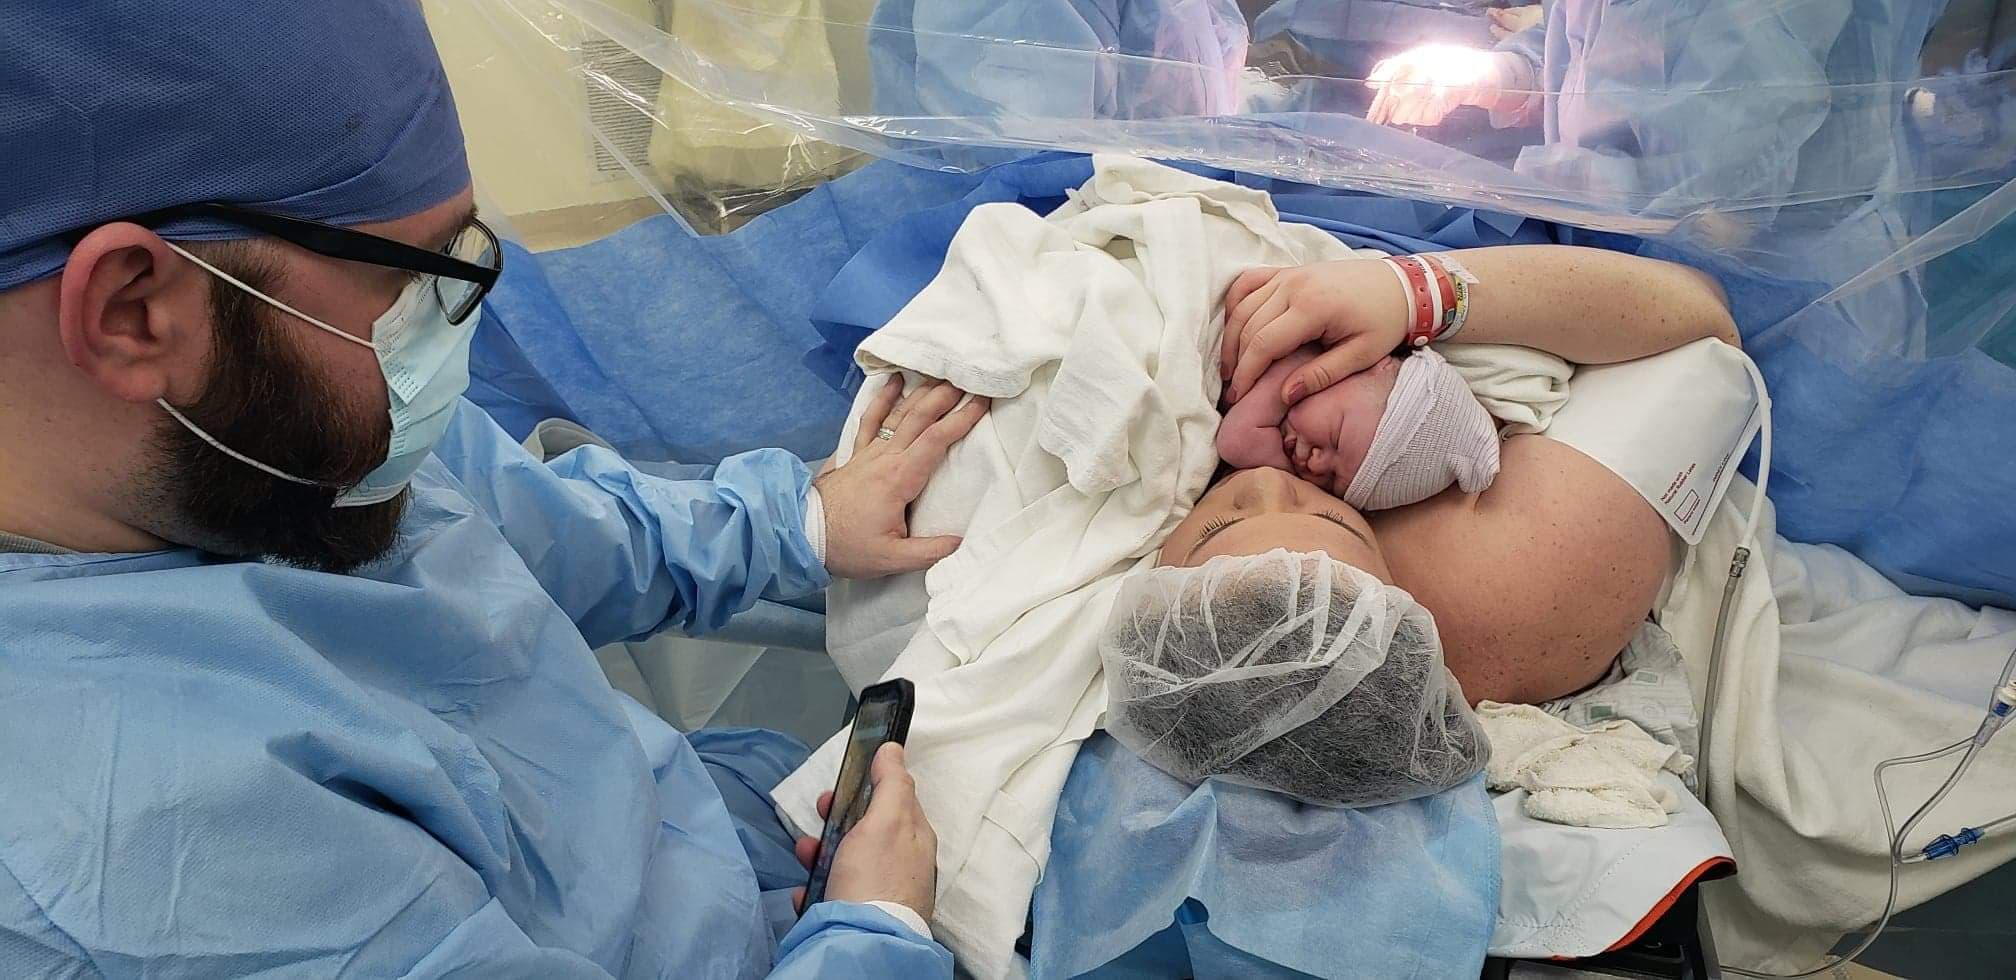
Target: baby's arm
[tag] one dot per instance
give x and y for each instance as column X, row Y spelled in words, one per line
column 1251, row 432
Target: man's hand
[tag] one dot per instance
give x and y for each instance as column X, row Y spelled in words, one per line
column 1355, row 308
column 868, row 500
column 892, row 854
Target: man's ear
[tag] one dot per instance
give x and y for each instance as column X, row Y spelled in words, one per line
column 133, row 314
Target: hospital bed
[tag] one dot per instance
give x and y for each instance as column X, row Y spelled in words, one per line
column 1676, row 945
column 662, row 125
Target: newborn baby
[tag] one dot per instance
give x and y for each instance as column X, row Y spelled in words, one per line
column 1399, row 431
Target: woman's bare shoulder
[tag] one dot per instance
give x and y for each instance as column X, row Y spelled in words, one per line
column 1576, row 523
column 1541, row 485
column 1538, row 581
column 1542, row 476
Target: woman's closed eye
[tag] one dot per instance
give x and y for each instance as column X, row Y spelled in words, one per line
column 1211, row 529
column 1341, row 521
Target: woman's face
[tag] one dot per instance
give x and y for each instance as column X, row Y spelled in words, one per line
column 1255, row 511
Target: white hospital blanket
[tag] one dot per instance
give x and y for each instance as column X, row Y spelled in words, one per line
column 1095, row 331
column 1519, row 386
column 1832, row 669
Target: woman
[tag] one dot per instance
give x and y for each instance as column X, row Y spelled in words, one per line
column 1535, row 583
column 1273, row 648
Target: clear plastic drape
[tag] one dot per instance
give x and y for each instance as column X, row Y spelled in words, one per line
column 1865, row 146
column 1846, row 167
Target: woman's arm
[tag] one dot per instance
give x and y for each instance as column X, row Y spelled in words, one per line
column 1589, row 305
column 1586, row 305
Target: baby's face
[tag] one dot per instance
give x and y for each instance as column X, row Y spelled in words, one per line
column 1327, row 434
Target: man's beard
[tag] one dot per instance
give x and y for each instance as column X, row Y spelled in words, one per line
column 265, row 400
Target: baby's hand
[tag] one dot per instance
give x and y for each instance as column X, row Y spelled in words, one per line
column 1297, row 453
column 1246, row 445
column 1250, row 434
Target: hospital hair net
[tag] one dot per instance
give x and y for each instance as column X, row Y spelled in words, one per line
column 335, row 112
column 1295, row 673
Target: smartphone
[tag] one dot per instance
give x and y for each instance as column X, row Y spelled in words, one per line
column 883, row 716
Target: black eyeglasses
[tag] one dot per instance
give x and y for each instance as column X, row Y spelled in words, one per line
column 463, row 273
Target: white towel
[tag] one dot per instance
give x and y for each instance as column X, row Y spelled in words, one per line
column 1519, row 386
column 1648, row 687
column 1605, row 776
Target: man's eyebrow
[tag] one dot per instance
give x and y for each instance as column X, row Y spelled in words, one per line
column 462, row 223
column 1208, row 535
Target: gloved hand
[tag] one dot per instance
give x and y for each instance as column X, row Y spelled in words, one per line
column 868, row 500
column 1422, row 86
column 1507, row 21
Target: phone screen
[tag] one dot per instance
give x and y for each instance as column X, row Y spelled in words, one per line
column 884, row 716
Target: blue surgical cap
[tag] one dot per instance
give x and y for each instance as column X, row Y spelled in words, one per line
column 337, row 112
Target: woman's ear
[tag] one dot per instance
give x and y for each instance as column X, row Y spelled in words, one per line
column 133, row 315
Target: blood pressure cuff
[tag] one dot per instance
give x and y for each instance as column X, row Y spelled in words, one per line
column 1673, row 426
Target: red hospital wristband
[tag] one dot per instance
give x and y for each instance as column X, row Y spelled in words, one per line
column 1423, row 327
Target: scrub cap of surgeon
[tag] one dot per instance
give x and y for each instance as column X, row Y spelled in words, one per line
column 1295, row 673
column 336, row 112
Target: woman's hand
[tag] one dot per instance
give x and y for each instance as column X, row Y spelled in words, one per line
column 1354, row 307
column 868, row 500
column 892, row 854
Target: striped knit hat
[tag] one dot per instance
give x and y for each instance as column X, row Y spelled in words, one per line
column 1434, row 433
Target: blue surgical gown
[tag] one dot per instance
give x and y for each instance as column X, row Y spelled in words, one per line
column 1623, row 119
column 220, row 768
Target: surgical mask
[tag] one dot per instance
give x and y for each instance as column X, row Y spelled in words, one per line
column 425, row 362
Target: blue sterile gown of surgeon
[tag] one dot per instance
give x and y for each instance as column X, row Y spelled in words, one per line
column 221, row 768
column 1666, row 106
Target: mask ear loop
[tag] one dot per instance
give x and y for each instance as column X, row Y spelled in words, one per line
column 228, row 451
column 282, row 307
column 211, row 440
